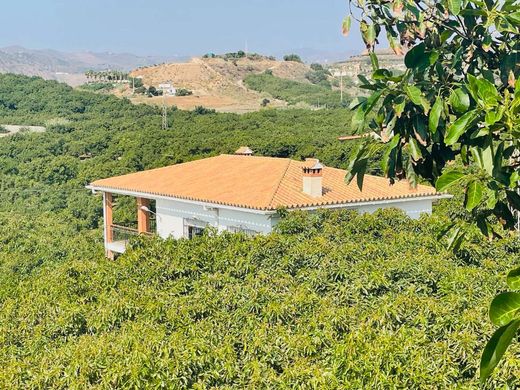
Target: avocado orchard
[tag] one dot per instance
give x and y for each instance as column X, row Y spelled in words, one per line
column 332, row 300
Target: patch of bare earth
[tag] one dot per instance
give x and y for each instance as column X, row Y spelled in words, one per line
column 215, row 82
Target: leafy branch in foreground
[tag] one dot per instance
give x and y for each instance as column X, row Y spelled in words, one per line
column 453, row 117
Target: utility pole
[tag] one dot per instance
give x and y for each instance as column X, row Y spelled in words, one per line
column 165, row 88
column 164, row 113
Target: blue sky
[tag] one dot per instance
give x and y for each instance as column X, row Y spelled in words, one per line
column 183, row 27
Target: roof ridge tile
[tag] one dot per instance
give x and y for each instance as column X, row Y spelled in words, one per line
column 280, row 182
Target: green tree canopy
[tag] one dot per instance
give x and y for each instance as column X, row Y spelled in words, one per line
column 458, row 101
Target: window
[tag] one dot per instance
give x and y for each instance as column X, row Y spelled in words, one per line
column 193, row 228
column 242, row 229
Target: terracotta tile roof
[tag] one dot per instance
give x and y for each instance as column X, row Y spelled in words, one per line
column 263, row 183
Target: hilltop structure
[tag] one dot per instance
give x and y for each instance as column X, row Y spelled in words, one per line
column 242, row 193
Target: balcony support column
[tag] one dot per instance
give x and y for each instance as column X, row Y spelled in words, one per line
column 143, row 217
column 108, row 201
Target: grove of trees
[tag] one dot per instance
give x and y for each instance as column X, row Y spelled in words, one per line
column 331, row 300
column 294, row 92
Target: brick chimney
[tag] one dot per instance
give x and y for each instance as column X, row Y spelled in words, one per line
column 244, row 151
column 313, row 178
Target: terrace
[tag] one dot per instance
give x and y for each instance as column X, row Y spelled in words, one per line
column 117, row 235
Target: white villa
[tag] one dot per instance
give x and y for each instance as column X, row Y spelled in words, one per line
column 241, row 193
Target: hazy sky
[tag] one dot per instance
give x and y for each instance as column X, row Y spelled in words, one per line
column 168, row 27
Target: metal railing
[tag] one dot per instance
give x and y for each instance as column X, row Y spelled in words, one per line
column 124, row 233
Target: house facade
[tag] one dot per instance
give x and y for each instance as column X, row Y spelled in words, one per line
column 241, row 193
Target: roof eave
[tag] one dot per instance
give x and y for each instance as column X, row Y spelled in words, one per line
column 364, row 202
column 150, row 195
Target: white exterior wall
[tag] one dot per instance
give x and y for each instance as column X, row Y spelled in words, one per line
column 413, row 209
column 171, row 215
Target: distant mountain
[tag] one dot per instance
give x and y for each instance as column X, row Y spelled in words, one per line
column 69, row 67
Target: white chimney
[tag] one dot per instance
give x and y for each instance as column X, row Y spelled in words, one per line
column 313, row 179
column 244, row 151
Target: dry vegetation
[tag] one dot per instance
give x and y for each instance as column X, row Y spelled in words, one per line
column 217, row 83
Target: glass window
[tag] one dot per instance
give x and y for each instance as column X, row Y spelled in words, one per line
column 194, row 231
column 241, row 229
column 193, row 228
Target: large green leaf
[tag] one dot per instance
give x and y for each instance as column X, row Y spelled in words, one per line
column 505, row 308
column 368, row 33
column 454, row 6
column 514, row 18
column 435, row 115
column 358, row 119
column 415, row 149
column 496, row 347
column 448, row 179
column 416, row 57
column 387, row 161
column 487, row 92
column 361, row 168
column 345, row 26
column 455, row 238
column 374, row 61
column 473, row 195
column 459, row 100
column 513, row 279
column 356, row 102
column 457, row 128
column 399, row 104
column 417, row 98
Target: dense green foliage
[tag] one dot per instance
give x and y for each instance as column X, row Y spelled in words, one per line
column 318, row 75
column 459, row 99
column 334, row 300
column 292, row 57
column 98, row 86
column 44, row 172
column 183, row 92
column 294, row 92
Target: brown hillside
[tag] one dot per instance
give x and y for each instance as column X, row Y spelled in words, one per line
column 217, row 83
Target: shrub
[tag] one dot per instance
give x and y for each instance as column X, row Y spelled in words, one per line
column 141, row 90
column 183, row 92
column 200, row 110
column 292, row 57
column 152, row 91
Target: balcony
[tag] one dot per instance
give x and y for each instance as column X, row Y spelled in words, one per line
column 121, row 235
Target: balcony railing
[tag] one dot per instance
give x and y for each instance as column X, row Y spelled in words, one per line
column 122, row 234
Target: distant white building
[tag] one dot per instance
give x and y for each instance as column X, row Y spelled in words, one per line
column 168, row 89
column 242, row 193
